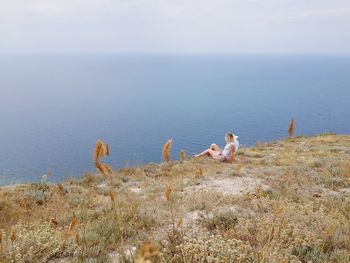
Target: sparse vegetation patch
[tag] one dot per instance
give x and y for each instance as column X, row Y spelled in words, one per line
column 285, row 201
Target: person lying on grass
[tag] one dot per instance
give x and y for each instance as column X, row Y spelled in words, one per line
column 225, row 155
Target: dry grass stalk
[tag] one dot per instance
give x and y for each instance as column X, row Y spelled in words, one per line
column 54, row 221
column 13, row 236
column 99, row 151
column 107, row 169
column 104, row 169
column 182, row 155
column 179, row 223
column 100, row 168
column 112, row 196
column 167, row 193
column 279, row 210
column 73, row 222
column 329, row 230
column 166, row 150
column 199, row 173
column 107, row 149
column 25, row 203
column 259, row 192
column 345, row 170
column 77, row 239
column 147, row 251
column 61, row 188
column 291, row 128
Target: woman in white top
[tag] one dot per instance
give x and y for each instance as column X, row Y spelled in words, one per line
column 227, row 154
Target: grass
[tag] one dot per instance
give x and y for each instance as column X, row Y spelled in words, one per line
column 220, row 221
column 295, row 207
column 291, row 128
column 166, row 150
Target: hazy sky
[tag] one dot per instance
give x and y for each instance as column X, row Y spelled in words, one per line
column 175, row 26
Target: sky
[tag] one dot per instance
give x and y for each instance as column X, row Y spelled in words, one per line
column 174, row 26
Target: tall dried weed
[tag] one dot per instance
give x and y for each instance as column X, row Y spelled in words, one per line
column 182, row 155
column 100, row 151
column 107, row 149
column 112, row 197
column 13, row 236
column 291, row 128
column 167, row 193
column 73, row 222
column 166, row 150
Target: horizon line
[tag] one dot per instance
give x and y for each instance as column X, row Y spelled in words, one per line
column 175, row 53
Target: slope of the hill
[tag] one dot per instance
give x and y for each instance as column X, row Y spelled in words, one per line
column 285, row 201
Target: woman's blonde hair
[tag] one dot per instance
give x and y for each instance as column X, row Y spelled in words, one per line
column 229, row 137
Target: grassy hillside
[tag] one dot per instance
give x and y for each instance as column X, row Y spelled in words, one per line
column 285, row 201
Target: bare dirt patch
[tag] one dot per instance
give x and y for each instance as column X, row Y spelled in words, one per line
column 229, row 185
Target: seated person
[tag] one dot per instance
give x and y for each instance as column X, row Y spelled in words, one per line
column 227, row 154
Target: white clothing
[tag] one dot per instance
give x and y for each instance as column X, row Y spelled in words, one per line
column 226, row 151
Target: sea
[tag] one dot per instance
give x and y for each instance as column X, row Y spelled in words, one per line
column 54, row 107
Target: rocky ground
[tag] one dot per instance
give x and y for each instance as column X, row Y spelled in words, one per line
column 285, row 201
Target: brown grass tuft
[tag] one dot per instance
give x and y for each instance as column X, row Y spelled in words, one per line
column 112, row 196
column 1, row 238
column 291, row 128
column 100, row 168
column 182, row 155
column 179, row 223
column 13, row 236
column 77, row 239
column 107, row 149
column 60, row 188
column 99, row 151
column 329, row 230
column 104, row 169
column 167, row 193
column 166, row 150
column 107, row 169
column 73, row 222
column 279, row 210
column 199, row 173
column 147, row 251
column 54, row 221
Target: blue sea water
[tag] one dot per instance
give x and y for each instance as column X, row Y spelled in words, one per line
column 54, row 107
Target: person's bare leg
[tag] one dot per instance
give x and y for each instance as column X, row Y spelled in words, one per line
column 215, row 147
column 204, row 153
column 213, row 154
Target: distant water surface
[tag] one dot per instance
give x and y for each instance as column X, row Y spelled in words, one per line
column 54, row 107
